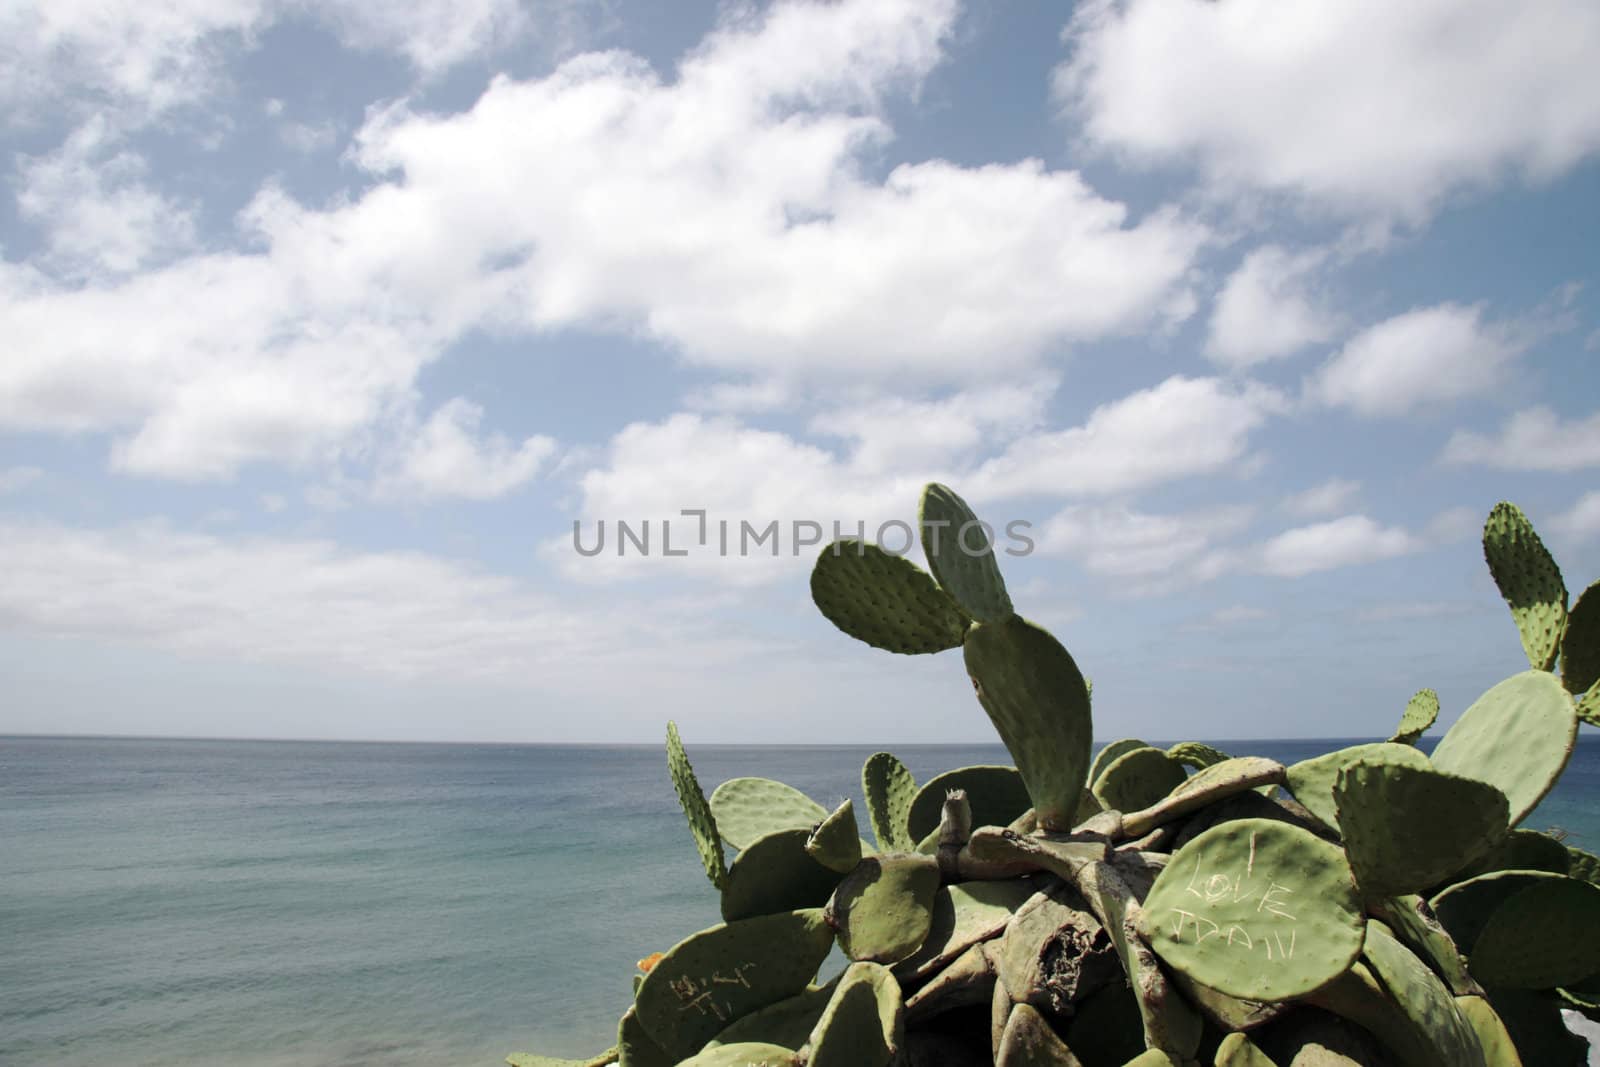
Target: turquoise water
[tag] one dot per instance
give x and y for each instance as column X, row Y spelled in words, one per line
column 274, row 903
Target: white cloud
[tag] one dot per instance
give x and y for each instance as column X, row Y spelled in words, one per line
column 734, row 224
column 1264, row 310
column 1582, row 521
column 1329, row 498
column 1363, row 106
column 1116, row 541
column 1322, row 546
column 96, row 212
column 893, row 433
column 1534, row 439
column 447, row 457
column 13, row 479
column 1180, row 428
column 1429, row 355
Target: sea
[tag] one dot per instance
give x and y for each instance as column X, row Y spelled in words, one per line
column 302, row 904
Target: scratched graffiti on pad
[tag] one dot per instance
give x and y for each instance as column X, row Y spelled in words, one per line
column 1234, row 891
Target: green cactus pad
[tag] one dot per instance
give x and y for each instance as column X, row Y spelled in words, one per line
column 746, row 1054
column 711, row 978
column 1152, row 1057
column 864, row 1022
column 1544, row 935
column 1110, row 752
column 701, row 822
column 836, row 842
column 748, row 808
column 997, row 796
column 1421, row 712
column 1580, row 645
column 787, row 1023
column 1407, row 828
column 1534, row 1022
column 529, row 1059
column 1522, row 850
column 1589, row 707
column 1216, row 782
column 776, row 873
column 1498, row 1048
column 1421, row 1023
column 1033, row 693
column 1257, row 909
column 1584, row 865
column 885, row 600
column 1135, row 780
column 889, row 789
column 1237, row 1050
column 883, row 909
column 1311, row 781
column 1529, row 580
column 1196, row 755
column 962, row 564
column 635, row 1048
column 1413, row 923
column 1028, row 1040
column 964, row 915
column 1465, row 908
column 1518, row 737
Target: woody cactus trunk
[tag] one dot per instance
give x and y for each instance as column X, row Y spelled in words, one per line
column 1373, row 906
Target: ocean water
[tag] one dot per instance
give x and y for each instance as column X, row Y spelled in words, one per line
column 290, row 904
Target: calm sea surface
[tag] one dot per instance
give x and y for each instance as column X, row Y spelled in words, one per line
column 277, row 903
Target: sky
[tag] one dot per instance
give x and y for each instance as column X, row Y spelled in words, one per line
column 326, row 326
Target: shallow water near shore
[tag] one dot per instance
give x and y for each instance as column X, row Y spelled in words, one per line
column 316, row 903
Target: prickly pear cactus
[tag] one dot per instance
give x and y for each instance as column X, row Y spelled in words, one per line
column 1371, row 907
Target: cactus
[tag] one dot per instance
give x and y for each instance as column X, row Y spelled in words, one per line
column 960, row 555
column 1123, row 912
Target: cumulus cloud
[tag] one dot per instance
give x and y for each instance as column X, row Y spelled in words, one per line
column 1582, row 521
column 1358, row 106
column 1534, row 439
column 1182, row 427
column 449, row 457
column 1429, row 355
column 1119, row 542
column 1265, row 310
column 725, row 213
column 891, row 433
column 1329, row 498
column 1343, row 542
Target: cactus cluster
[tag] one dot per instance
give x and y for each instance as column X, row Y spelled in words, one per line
column 1156, row 907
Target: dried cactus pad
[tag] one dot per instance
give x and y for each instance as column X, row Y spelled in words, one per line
column 1580, row 645
column 883, row 909
column 749, row 808
column 885, row 600
column 1529, row 580
column 864, row 1022
column 1256, row 909
column 701, row 822
column 1421, row 712
column 889, row 789
column 996, row 794
column 1544, row 935
column 1311, row 781
column 711, row 978
column 1517, row 736
column 1035, row 695
column 1408, row 828
column 960, row 553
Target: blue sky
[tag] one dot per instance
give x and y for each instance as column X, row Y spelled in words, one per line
column 323, row 325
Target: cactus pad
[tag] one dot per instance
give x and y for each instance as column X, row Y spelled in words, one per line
column 1517, row 736
column 701, row 822
column 711, row 978
column 776, row 873
column 1545, row 934
column 836, row 841
column 1523, row 850
column 960, row 555
column 1109, row 752
column 889, row 789
column 996, row 794
column 1029, row 1041
column 1035, row 696
column 1311, row 781
column 787, row 1023
column 885, row 600
column 1135, row 780
column 635, row 1048
column 1216, row 782
column 745, row 1054
column 1529, row 580
column 1493, row 1039
column 883, row 909
column 1237, row 1050
column 1580, row 645
column 964, row 914
column 864, row 1022
column 1196, row 755
column 1466, row 907
column 748, row 808
column 1421, row 1022
column 1256, row 909
column 1407, row 828
column 1421, row 712
column 529, row 1059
